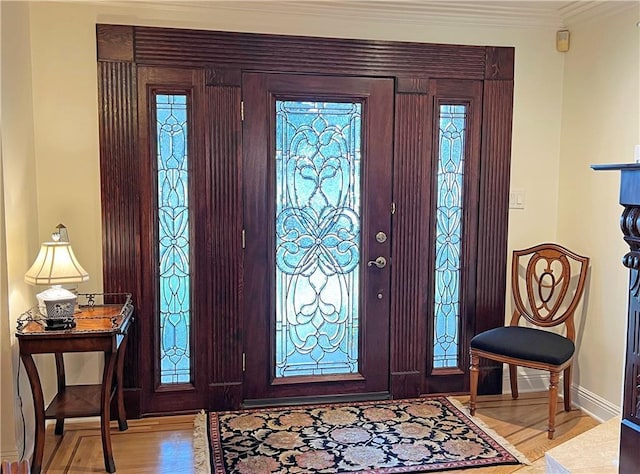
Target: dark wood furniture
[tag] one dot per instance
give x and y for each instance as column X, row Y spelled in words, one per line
column 99, row 327
column 630, row 225
column 547, row 282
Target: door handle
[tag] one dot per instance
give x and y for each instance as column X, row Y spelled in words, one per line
column 379, row 262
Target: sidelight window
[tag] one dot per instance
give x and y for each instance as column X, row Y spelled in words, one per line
column 448, row 232
column 173, row 238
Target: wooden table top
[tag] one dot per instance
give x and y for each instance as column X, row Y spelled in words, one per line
column 102, row 318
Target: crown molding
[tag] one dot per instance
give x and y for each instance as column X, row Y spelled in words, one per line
column 506, row 13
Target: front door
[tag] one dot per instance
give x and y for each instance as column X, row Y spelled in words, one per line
column 317, row 154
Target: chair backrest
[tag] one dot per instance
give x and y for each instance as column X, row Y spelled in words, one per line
column 547, row 282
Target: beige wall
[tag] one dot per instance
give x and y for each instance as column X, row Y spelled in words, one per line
column 600, row 124
column 65, row 137
column 19, row 226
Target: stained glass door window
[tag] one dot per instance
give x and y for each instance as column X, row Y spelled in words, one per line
column 173, row 238
column 448, row 232
column 317, row 237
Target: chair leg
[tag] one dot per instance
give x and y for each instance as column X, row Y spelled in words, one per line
column 553, row 402
column 567, row 388
column 513, row 379
column 473, row 377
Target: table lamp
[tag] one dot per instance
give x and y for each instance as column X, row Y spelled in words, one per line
column 56, row 265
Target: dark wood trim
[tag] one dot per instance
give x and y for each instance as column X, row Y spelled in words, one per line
column 132, row 401
column 302, row 54
column 412, row 85
column 223, row 396
column 629, row 448
column 115, row 43
column 410, row 236
column 499, row 63
column 201, row 260
column 493, row 219
column 119, row 171
column 225, row 244
column 223, row 77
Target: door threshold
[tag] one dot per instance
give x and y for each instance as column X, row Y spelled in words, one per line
column 315, row 400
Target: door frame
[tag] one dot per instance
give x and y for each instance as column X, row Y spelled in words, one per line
column 221, row 56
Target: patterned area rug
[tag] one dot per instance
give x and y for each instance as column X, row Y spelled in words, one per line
column 418, row 435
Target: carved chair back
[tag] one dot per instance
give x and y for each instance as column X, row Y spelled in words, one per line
column 547, row 283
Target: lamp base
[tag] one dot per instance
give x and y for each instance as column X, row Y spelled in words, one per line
column 57, row 305
column 58, row 324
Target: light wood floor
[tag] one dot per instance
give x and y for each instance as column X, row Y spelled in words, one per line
column 165, row 444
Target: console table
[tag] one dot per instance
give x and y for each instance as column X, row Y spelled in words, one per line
column 630, row 225
column 101, row 324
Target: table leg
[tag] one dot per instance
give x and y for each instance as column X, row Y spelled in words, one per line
column 105, row 414
column 62, row 386
column 122, row 415
column 38, row 408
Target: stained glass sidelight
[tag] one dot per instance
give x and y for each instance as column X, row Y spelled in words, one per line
column 317, row 244
column 173, row 239
column 448, row 243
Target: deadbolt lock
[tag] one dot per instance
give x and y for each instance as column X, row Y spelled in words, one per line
column 381, row 237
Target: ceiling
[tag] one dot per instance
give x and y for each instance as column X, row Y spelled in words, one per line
column 507, row 13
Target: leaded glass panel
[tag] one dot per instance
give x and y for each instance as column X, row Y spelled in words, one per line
column 317, row 237
column 173, row 239
column 448, row 233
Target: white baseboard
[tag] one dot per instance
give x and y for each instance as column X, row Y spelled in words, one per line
column 589, row 402
column 596, row 406
column 537, row 381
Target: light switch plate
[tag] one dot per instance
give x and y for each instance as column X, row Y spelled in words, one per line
column 517, row 199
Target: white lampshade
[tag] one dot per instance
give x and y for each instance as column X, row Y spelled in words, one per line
column 56, row 264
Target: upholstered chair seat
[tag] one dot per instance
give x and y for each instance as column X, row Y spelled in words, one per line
column 526, row 343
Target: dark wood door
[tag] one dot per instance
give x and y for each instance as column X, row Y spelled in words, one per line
column 317, row 159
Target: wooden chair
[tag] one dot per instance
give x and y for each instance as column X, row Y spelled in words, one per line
column 15, row 467
column 547, row 282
